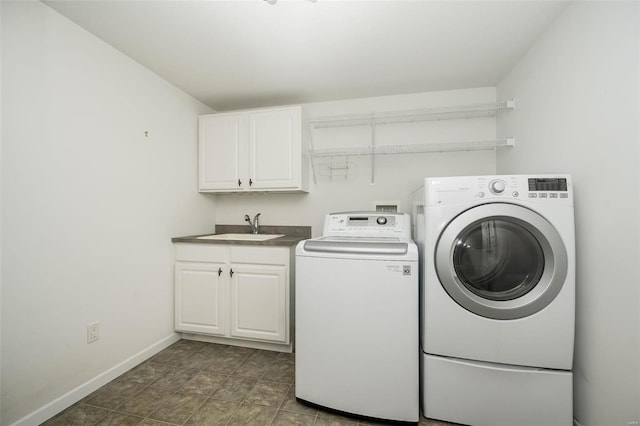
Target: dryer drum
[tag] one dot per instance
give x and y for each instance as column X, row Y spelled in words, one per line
column 501, row 261
column 498, row 259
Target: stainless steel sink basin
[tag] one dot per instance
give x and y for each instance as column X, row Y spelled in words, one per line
column 242, row 237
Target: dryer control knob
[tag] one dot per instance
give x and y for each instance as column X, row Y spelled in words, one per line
column 497, row 186
column 381, row 220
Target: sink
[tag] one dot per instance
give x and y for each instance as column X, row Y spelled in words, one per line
column 243, row 237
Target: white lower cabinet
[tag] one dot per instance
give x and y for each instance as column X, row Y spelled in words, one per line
column 258, row 308
column 200, row 296
column 234, row 292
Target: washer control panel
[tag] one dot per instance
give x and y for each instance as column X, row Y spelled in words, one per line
column 367, row 224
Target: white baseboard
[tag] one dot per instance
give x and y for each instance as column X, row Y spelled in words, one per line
column 59, row 404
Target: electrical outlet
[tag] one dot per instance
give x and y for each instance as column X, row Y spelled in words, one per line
column 93, row 332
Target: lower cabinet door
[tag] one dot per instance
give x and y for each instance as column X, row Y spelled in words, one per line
column 200, row 298
column 259, row 302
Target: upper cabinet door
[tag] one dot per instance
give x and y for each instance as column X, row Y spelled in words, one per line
column 274, row 148
column 222, row 152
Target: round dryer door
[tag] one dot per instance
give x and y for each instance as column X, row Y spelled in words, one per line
column 501, row 261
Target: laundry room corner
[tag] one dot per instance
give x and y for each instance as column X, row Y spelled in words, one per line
column 575, row 109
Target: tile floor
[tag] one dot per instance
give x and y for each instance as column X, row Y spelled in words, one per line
column 196, row 383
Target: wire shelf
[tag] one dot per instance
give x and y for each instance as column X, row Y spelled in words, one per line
column 413, row 148
column 429, row 114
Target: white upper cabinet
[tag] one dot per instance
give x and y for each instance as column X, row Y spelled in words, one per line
column 254, row 150
column 221, row 151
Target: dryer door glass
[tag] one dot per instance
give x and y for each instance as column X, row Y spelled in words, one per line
column 501, row 261
column 498, row 259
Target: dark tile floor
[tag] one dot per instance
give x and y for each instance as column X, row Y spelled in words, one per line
column 196, row 383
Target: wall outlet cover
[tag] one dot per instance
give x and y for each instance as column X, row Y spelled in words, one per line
column 93, row 332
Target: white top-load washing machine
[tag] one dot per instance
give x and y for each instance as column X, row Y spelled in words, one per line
column 357, row 301
column 498, row 298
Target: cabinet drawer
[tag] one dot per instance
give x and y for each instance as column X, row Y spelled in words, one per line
column 201, row 253
column 259, row 255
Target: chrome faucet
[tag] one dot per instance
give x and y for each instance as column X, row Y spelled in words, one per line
column 254, row 225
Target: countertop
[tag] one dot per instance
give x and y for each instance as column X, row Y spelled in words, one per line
column 292, row 235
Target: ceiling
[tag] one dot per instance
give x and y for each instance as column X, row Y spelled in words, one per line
column 250, row 53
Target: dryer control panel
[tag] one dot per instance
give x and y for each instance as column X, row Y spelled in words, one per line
column 368, row 224
column 554, row 189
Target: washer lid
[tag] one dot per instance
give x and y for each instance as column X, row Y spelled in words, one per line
column 357, row 245
column 501, row 261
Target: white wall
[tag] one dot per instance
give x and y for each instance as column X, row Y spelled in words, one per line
column 1, row 103
column 396, row 176
column 89, row 205
column 577, row 112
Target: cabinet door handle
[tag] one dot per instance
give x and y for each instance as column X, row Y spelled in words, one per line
column 219, row 271
column 250, row 182
column 239, row 182
column 231, row 272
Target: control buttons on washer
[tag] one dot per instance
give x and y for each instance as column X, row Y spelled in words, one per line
column 553, row 195
column 533, row 195
column 381, row 220
column 543, row 195
column 481, row 194
column 515, row 194
column 497, row 186
column 564, row 195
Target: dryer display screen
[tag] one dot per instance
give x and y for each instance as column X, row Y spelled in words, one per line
column 547, row 184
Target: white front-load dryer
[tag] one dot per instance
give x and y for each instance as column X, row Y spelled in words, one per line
column 498, row 298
